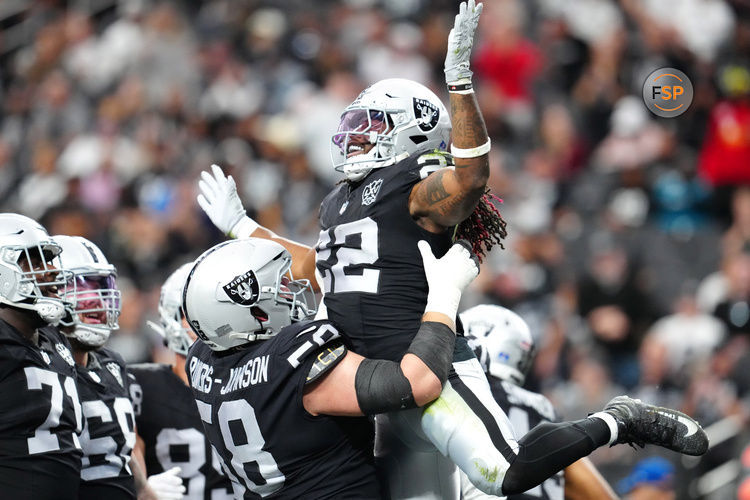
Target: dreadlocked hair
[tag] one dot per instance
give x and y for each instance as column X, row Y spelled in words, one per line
column 484, row 228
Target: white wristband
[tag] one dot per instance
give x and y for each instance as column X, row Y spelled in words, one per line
column 244, row 228
column 611, row 423
column 471, row 152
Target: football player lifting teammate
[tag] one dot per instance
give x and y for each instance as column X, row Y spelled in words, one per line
column 401, row 185
column 282, row 398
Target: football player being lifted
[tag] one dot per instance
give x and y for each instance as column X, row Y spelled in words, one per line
column 40, row 455
column 108, row 436
column 170, row 442
column 504, row 345
column 282, row 399
column 402, row 186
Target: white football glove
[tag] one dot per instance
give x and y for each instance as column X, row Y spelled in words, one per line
column 222, row 204
column 448, row 276
column 460, row 41
column 167, row 485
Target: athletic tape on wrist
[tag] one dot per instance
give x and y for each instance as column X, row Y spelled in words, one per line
column 471, row 152
column 244, row 228
column 433, row 344
column 445, row 301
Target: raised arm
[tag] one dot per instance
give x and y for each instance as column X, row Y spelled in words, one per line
column 356, row 385
column 219, row 199
column 448, row 196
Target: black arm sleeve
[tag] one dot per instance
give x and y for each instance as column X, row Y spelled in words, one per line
column 434, row 344
column 549, row 448
column 381, row 387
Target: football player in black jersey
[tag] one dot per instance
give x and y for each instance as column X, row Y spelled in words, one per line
column 504, row 345
column 40, row 414
column 171, row 442
column 282, row 398
column 103, row 383
column 402, row 186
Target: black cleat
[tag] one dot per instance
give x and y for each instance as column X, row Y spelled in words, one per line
column 640, row 423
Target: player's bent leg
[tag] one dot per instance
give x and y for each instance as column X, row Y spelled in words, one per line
column 409, row 466
column 468, row 426
column 550, row 447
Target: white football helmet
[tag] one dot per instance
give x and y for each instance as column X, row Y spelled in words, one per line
column 400, row 117
column 92, row 294
column 241, row 290
column 170, row 313
column 30, row 272
column 502, row 341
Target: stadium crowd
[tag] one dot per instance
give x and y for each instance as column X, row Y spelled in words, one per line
column 629, row 235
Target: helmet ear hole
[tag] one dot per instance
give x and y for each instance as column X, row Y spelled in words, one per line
column 418, row 139
column 259, row 314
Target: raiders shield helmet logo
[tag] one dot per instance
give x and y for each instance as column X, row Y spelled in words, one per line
column 427, row 114
column 243, row 289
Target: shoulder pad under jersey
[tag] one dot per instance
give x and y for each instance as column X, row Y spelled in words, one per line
column 305, row 340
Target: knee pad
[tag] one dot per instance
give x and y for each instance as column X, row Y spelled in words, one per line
column 461, row 435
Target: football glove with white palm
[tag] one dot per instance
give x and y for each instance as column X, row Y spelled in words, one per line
column 448, row 276
column 460, row 42
column 219, row 199
column 167, row 485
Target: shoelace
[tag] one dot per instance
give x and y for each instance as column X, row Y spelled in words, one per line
column 661, row 428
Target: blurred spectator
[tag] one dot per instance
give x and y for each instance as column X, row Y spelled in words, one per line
column 616, row 309
column 737, row 237
column 688, row 337
column 678, row 203
column 734, row 308
column 395, row 56
column 507, row 63
column 699, row 26
column 650, row 479
column 726, row 149
column 44, row 187
column 634, row 141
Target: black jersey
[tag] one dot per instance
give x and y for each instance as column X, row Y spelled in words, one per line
column 108, row 433
column 250, row 400
column 526, row 410
column 168, row 422
column 40, row 417
column 367, row 255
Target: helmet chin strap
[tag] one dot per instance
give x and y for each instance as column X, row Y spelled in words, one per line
column 368, row 162
column 90, row 335
column 50, row 310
